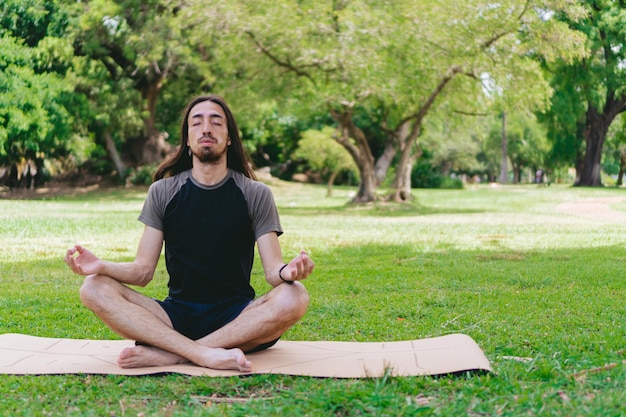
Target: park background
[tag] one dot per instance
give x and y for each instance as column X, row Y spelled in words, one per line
column 392, row 94
column 408, row 106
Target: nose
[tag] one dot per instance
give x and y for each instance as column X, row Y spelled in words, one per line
column 206, row 126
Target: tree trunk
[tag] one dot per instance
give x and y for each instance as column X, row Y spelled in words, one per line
column 504, row 170
column 354, row 141
column 402, row 191
column 408, row 131
column 384, row 162
column 598, row 124
column 329, row 185
column 402, row 181
column 595, row 135
column 151, row 148
column 114, row 155
column 367, row 186
column 517, row 173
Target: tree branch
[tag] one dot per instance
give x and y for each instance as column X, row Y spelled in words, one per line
column 283, row 64
column 468, row 113
column 497, row 36
column 421, row 112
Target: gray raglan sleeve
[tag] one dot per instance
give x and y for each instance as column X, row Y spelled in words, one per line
column 153, row 210
column 263, row 211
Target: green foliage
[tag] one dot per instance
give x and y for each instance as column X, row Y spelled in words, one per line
column 132, row 55
column 426, row 174
column 614, row 155
column 142, row 175
column 31, row 20
column 456, row 142
column 588, row 89
column 527, row 145
column 126, row 69
column 323, row 154
column 33, row 119
column 405, row 58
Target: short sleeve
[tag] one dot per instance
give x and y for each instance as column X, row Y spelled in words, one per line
column 150, row 215
column 264, row 214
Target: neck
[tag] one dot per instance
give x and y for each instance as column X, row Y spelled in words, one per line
column 208, row 174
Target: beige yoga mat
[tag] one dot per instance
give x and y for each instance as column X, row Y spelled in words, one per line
column 29, row 355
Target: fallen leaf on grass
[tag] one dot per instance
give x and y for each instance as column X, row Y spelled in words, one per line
column 563, row 396
column 420, row 400
column 228, row 400
column 580, row 376
column 516, row 358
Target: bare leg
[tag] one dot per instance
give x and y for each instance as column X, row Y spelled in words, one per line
column 264, row 320
column 137, row 317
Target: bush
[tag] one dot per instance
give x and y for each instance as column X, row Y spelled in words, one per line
column 449, row 183
column 141, row 175
column 425, row 175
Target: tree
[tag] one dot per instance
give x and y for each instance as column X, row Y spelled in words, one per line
column 455, row 143
column 142, row 45
column 527, row 144
column 595, row 84
column 34, row 121
column 565, row 123
column 402, row 59
column 325, row 155
column 615, row 153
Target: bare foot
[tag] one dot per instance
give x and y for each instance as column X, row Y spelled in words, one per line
column 143, row 356
column 215, row 358
column 218, row 358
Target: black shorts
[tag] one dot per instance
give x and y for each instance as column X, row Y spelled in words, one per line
column 196, row 320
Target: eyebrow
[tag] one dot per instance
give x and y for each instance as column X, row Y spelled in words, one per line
column 213, row 115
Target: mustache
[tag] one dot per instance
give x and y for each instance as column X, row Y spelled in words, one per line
column 207, row 136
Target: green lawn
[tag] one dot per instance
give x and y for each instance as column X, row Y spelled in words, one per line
column 542, row 292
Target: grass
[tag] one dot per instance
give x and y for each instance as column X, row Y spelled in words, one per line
column 542, row 293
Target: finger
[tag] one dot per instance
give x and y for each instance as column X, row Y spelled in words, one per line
column 307, row 264
column 69, row 256
column 299, row 264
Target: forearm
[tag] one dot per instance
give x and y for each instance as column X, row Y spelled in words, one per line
column 132, row 273
column 274, row 276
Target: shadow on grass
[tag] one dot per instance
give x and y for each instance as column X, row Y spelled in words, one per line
column 92, row 193
column 378, row 209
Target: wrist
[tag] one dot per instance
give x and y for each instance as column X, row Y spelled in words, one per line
column 280, row 275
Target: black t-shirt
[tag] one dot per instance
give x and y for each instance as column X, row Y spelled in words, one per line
column 210, row 232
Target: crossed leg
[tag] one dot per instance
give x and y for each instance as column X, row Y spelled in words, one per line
column 137, row 317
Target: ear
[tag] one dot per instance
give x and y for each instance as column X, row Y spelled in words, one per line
column 229, row 142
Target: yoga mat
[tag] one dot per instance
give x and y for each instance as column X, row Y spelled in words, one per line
column 30, row 355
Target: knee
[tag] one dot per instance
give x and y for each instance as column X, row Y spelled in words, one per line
column 294, row 300
column 93, row 291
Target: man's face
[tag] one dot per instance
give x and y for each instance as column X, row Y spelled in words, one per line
column 208, row 132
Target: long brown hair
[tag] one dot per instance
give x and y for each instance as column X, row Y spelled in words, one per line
column 236, row 156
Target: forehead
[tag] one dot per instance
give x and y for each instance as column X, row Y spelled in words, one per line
column 207, row 108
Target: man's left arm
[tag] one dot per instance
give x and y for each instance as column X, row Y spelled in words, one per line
column 276, row 270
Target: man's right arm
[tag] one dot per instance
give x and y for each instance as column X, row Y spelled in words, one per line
column 139, row 272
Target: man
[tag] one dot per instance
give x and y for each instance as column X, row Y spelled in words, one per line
column 209, row 211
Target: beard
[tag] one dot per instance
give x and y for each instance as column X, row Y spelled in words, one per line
column 209, row 155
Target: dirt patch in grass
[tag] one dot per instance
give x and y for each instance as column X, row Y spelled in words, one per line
column 594, row 208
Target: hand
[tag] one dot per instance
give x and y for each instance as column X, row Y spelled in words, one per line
column 299, row 268
column 86, row 263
